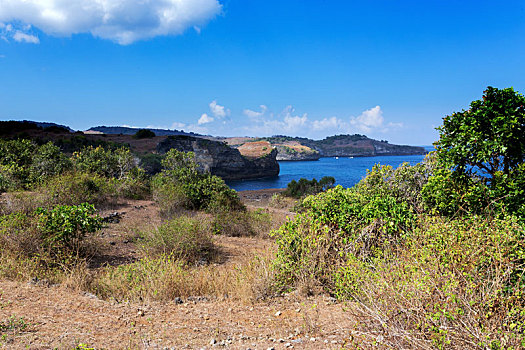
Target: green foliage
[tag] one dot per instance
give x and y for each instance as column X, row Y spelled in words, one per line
column 334, row 226
column 489, row 137
column 482, row 151
column 48, row 161
column 304, row 187
column 104, row 162
column 144, row 134
column 65, row 225
column 151, row 163
column 76, row 187
column 180, row 184
column 15, row 160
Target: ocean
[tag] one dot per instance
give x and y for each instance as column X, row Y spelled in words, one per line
column 346, row 171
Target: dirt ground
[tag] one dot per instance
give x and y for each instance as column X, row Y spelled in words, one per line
column 38, row 316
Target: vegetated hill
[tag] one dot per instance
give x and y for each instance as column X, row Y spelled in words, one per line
column 12, row 127
column 348, row 146
column 132, row 131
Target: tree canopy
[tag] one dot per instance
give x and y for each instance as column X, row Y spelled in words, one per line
column 487, row 138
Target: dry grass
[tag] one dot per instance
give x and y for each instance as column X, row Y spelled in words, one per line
column 165, row 278
column 450, row 288
column 255, row 149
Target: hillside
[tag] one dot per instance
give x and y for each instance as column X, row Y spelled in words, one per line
column 300, row 148
column 131, row 131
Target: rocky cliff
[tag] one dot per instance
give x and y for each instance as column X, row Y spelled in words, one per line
column 290, row 152
column 221, row 160
column 348, row 146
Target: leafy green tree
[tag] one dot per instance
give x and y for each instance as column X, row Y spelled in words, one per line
column 144, row 134
column 487, row 138
column 48, row 161
column 481, row 152
column 105, row 162
column 181, row 184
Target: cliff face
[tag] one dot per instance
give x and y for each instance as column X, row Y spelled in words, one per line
column 221, row 160
column 292, row 153
column 348, row 146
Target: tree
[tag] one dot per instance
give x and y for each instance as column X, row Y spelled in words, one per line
column 144, row 134
column 481, row 155
column 486, row 139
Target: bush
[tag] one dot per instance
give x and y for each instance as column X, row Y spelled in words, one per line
column 65, row 226
column 334, row 226
column 180, row 184
column 306, row 187
column 16, row 157
column 104, row 162
column 76, row 187
column 144, row 134
column 184, row 238
column 47, row 162
column 453, row 284
column 19, row 235
column 242, row 223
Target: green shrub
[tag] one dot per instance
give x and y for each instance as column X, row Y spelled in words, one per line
column 334, row 226
column 65, row 226
column 453, row 284
column 135, row 185
column 76, row 187
column 104, row 162
column 304, row 187
column 16, row 157
column 144, row 134
column 183, row 238
column 180, row 184
column 47, row 162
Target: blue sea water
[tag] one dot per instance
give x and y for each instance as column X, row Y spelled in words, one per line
column 346, row 171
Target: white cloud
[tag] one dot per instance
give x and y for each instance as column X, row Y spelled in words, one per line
column 218, row 111
column 254, row 114
column 370, row 122
column 23, row 37
column 371, row 119
column 205, row 119
column 177, row 125
column 122, row 21
column 332, row 123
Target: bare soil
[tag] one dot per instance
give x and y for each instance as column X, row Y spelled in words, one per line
column 57, row 317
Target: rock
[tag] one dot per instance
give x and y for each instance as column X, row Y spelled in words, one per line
column 291, row 153
column 213, row 341
column 278, row 313
column 222, row 160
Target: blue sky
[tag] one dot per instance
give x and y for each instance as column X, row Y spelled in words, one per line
column 388, row 69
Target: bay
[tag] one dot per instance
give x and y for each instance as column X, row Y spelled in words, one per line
column 346, row 171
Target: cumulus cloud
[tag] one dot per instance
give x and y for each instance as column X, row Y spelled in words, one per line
column 205, row 119
column 264, row 123
column 254, row 114
column 369, row 120
column 23, row 37
column 218, row 111
column 123, row 21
